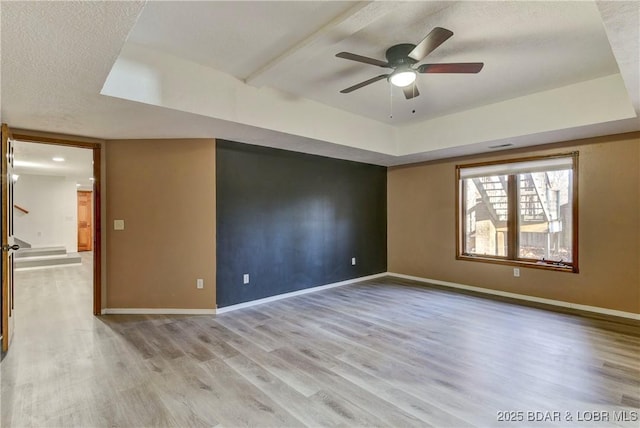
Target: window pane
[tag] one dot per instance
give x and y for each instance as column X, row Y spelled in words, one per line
column 545, row 215
column 485, row 215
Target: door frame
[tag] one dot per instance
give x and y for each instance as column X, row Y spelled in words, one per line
column 26, row 136
column 8, row 318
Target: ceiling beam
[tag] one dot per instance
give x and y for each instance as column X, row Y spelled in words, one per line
column 336, row 30
column 621, row 22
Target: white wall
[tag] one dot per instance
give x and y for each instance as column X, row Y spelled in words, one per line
column 53, row 211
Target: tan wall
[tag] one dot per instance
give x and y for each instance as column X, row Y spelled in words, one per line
column 421, row 228
column 164, row 190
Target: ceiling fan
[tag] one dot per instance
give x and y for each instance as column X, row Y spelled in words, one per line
column 401, row 59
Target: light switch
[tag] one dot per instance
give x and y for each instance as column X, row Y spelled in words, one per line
column 118, row 224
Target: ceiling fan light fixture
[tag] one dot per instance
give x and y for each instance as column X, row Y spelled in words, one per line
column 402, row 78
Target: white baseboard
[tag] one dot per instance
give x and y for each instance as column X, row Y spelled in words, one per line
column 552, row 302
column 297, row 293
column 174, row 311
column 157, row 311
column 560, row 303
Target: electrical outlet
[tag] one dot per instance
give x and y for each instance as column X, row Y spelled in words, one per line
column 245, row 278
column 353, row 261
column 199, row 283
column 516, row 272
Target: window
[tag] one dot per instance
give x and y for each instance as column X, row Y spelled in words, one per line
column 520, row 212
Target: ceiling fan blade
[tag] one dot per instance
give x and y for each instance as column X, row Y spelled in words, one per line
column 411, row 91
column 365, row 59
column 460, row 67
column 365, row 83
column 435, row 38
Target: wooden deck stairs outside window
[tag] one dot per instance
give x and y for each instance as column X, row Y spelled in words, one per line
column 539, row 205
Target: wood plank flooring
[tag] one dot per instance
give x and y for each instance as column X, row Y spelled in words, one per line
column 384, row 353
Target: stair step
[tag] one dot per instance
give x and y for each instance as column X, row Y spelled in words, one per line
column 23, row 253
column 47, row 261
column 23, row 244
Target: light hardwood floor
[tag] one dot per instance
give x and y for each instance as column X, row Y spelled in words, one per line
column 379, row 353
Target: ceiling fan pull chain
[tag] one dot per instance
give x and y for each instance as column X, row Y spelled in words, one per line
column 413, row 110
column 390, row 101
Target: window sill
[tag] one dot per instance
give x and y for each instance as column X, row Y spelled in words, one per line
column 520, row 263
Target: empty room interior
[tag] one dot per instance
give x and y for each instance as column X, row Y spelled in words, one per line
column 320, row 213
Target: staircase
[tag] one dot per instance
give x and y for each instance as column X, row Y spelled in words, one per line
column 26, row 258
column 23, row 244
column 538, row 203
column 539, row 217
column 494, row 196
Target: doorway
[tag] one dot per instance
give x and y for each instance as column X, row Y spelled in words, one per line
column 81, row 218
column 85, row 220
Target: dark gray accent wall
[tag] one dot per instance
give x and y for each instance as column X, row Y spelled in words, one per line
column 294, row 221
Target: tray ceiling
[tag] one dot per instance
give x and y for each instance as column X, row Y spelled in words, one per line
column 266, row 73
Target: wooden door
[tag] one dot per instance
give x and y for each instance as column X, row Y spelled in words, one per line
column 85, row 235
column 8, row 245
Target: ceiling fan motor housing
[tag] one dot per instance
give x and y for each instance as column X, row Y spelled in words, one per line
column 398, row 55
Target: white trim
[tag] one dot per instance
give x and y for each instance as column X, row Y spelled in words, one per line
column 157, row 311
column 297, row 293
column 560, row 303
column 518, row 167
column 552, row 302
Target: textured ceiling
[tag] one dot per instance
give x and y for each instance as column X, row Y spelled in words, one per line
column 235, row 37
column 284, row 51
column 55, row 58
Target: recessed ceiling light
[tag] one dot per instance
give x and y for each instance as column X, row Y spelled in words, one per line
column 77, row 184
column 58, row 159
column 92, row 179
